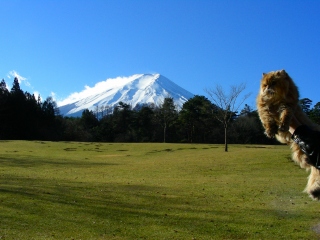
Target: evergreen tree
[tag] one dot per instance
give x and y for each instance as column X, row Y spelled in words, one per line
column 88, row 124
column 16, row 111
column 4, row 110
column 315, row 113
column 305, row 104
column 3, row 89
column 166, row 115
column 88, row 119
column 49, row 108
column 105, row 130
column 144, row 126
column 122, row 123
column 196, row 117
column 246, row 111
column 50, row 125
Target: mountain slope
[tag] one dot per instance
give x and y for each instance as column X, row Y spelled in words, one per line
column 135, row 90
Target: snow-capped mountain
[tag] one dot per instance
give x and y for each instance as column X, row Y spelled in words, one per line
column 135, row 90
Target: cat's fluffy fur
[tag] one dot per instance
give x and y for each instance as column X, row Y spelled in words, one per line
column 277, row 103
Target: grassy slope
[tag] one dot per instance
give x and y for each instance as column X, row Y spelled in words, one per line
column 69, row 190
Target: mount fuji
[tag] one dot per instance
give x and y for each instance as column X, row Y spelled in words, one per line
column 136, row 90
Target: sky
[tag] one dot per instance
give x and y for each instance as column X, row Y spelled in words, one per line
column 59, row 48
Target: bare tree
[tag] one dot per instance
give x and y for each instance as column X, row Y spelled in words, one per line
column 227, row 104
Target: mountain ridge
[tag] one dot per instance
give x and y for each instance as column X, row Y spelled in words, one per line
column 135, row 90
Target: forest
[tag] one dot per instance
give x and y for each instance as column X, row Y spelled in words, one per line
column 23, row 117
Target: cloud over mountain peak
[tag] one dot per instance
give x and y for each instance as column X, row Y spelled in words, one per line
column 134, row 90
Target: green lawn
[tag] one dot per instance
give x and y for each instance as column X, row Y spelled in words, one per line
column 71, row 190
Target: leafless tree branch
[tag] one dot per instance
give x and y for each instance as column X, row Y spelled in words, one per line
column 227, row 104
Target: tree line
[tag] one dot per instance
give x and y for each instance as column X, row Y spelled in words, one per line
column 23, row 116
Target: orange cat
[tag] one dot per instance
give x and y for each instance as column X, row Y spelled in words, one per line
column 277, row 103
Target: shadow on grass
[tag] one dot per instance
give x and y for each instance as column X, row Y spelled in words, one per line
column 101, row 209
column 36, row 162
column 123, row 210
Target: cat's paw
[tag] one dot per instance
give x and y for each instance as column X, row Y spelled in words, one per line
column 269, row 135
column 271, row 132
column 283, row 127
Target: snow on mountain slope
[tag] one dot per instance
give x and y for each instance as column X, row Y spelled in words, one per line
column 135, row 90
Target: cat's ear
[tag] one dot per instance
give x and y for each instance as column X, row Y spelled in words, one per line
column 263, row 74
column 282, row 72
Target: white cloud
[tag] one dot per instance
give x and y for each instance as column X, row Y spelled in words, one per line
column 15, row 74
column 54, row 96
column 99, row 87
column 24, row 80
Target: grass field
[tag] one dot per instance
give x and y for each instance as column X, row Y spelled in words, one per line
column 71, row 190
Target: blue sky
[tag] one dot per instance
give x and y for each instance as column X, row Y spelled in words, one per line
column 58, row 47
